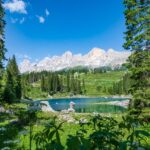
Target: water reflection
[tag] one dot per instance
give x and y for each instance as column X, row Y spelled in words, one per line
column 83, row 105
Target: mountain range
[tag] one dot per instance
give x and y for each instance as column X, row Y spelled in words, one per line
column 95, row 58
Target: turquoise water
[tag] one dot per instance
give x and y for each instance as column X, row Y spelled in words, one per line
column 87, row 105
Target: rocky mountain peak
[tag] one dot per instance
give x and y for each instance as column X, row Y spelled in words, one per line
column 95, row 58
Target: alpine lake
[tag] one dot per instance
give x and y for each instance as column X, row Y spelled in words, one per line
column 88, row 105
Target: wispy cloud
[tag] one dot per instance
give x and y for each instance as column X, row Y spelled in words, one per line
column 14, row 20
column 22, row 20
column 18, row 6
column 22, row 56
column 47, row 12
column 41, row 19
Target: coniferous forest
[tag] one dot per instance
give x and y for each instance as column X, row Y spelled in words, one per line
column 25, row 126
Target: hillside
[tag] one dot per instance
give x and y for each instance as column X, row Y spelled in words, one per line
column 96, row 84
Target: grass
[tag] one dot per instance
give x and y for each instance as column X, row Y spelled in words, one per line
column 95, row 85
column 104, row 80
column 12, row 132
column 68, row 128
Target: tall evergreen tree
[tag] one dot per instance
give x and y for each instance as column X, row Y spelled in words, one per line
column 2, row 45
column 68, row 82
column 83, row 86
column 49, row 84
column 12, row 69
column 25, row 85
column 137, row 15
column 43, row 84
column 9, row 91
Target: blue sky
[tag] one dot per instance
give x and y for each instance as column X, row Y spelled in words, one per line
column 40, row 28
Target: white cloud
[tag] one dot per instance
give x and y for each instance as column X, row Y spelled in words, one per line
column 26, row 57
column 14, row 20
column 41, row 19
column 18, row 6
column 22, row 56
column 22, row 20
column 47, row 12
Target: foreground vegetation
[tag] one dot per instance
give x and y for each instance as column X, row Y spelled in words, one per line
column 37, row 130
column 25, row 128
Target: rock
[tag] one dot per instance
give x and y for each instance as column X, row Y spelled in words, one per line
column 83, row 121
column 95, row 58
column 66, row 117
column 71, row 110
column 2, row 109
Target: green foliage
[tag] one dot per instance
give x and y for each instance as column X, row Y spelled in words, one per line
column 2, row 47
column 12, row 89
column 73, row 84
column 137, row 15
column 44, row 132
column 2, row 42
column 122, row 86
column 98, row 133
column 9, row 92
column 49, row 138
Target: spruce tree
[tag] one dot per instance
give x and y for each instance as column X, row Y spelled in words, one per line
column 12, row 68
column 9, row 91
column 83, row 86
column 49, row 84
column 2, row 45
column 2, row 42
column 137, row 35
column 43, row 86
column 68, row 82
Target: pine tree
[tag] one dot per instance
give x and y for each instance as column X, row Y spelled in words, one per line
column 2, row 46
column 137, row 15
column 12, row 69
column 9, row 91
column 25, row 86
column 2, row 43
column 72, row 84
column 61, row 83
column 43, row 84
column 17, row 77
column 49, row 84
column 68, row 82
column 83, row 86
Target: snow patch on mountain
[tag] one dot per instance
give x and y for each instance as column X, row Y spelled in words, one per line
column 95, row 58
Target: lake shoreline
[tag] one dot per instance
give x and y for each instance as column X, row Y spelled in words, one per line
column 83, row 96
column 123, row 103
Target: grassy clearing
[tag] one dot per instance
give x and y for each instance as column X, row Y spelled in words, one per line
column 104, row 80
